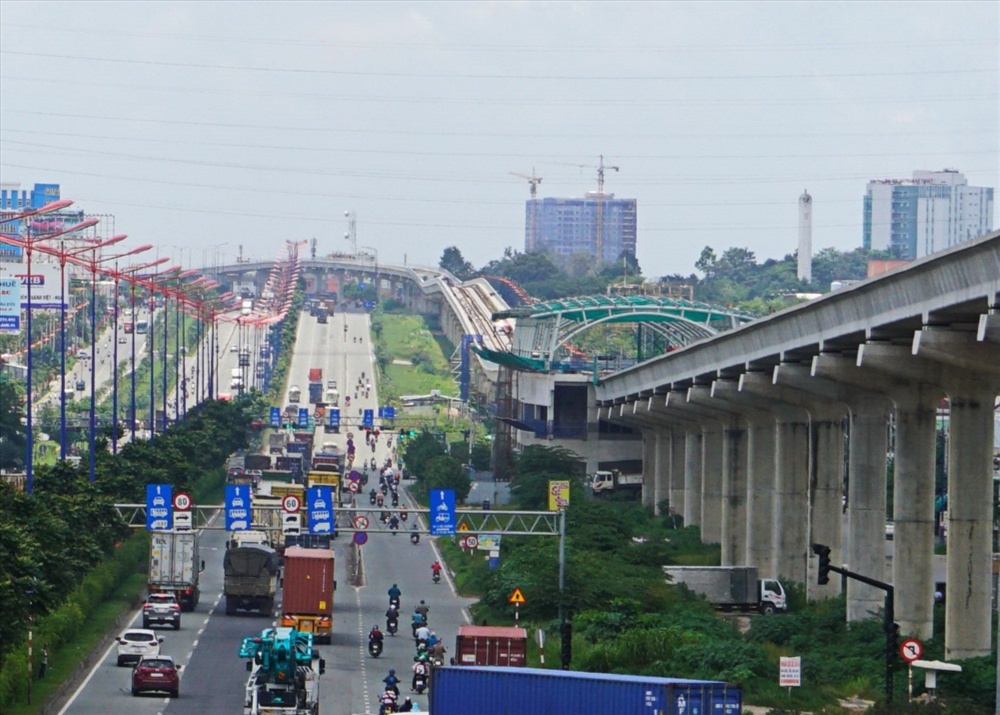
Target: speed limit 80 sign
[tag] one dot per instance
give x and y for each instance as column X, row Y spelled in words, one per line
column 182, row 501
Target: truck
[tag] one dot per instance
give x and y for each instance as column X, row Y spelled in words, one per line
column 604, row 482
column 294, row 394
column 321, row 317
column 259, row 461
column 275, row 444
column 565, row 692
column 175, row 566
column 326, row 458
column 246, row 307
column 731, row 588
column 307, row 592
column 315, row 392
column 285, row 672
column 315, row 374
column 491, row 645
column 251, row 579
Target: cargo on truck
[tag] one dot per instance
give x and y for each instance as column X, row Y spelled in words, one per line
column 307, row 592
column 566, row 692
column 491, row 645
column 251, row 579
column 326, row 457
column 315, row 374
column 315, row 392
column 731, row 588
column 259, row 461
column 275, row 445
column 608, row 481
column 175, row 566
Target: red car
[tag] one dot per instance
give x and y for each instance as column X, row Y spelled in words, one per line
column 156, row 673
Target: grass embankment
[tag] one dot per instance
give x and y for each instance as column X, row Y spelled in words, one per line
column 113, row 590
column 418, row 363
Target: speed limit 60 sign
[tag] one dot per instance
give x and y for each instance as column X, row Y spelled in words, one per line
column 291, row 503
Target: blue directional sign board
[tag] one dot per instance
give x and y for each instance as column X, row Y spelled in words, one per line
column 333, row 417
column 389, row 413
column 275, row 417
column 368, row 419
column 320, row 501
column 381, row 412
column 303, row 417
column 238, row 507
column 442, row 514
column 159, row 507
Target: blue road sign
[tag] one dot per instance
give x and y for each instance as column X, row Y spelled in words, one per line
column 360, row 538
column 381, row 412
column 303, row 417
column 320, row 501
column 368, row 419
column 389, row 413
column 238, row 507
column 442, row 514
column 333, row 417
column 275, row 417
column 159, row 507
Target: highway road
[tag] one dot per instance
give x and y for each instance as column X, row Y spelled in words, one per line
column 207, row 645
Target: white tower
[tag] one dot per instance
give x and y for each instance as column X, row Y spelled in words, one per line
column 805, row 237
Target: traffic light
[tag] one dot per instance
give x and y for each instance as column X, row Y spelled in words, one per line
column 412, row 433
column 823, row 576
column 891, row 640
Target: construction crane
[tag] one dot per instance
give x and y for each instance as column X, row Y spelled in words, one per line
column 532, row 242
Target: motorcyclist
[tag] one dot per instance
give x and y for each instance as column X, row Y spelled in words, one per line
column 391, row 682
column 372, row 496
column 375, row 635
column 436, row 569
column 394, row 595
column 406, row 706
column 423, row 609
column 414, row 535
column 432, row 639
column 379, row 500
column 394, row 522
column 419, row 669
column 422, row 634
column 437, row 652
column 387, row 702
column 391, row 619
column 416, row 621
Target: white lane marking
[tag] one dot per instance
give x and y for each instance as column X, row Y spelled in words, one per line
column 93, row 670
column 362, row 659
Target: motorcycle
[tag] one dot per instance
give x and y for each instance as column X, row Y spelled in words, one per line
column 436, row 577
column 374, row 648
column 414, row 539
column 391, row 626
column 394, row 602
column 395, row 499
column 419, row 683
column 384, row 488
column 372, row 497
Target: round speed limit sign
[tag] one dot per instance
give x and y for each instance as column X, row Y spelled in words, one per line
column 182, row 501
column 291, row 503
column 471, row 542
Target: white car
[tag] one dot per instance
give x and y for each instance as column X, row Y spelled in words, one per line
column 234, row 348
column 134, row 643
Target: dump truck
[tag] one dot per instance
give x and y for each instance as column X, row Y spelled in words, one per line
column 175, row 566
column 731, row 588
column 251, row 579
column 307, row 592
column 607, row 481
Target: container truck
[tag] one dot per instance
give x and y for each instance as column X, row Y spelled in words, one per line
column 315, row 374
column 174, row 566
column 315, row 392
column 307, row 592
column 566, row 692
column 490, row 645
column 731, row 588
column 260, row 461
column 251, row 579
column 608, row 481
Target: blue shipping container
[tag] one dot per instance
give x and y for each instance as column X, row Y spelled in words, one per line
column 524, row 691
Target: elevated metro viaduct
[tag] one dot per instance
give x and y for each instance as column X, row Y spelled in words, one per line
column 753, row 433
column 424, row 290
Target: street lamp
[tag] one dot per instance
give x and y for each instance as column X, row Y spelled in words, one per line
column 352, row 231
column 375, row 250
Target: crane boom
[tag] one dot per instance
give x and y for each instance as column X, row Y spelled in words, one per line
column 534, row 181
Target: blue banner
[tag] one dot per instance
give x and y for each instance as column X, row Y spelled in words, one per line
column 442, row 514
column 275, row 417
column 333, row 417
column 368, row 419
column 238, row 507
column 159, row 507
column 303, row 417
column 320, row 500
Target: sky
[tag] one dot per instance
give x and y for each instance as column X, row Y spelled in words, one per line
column 206, row 126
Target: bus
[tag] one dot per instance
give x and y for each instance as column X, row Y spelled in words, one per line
column 141, row 326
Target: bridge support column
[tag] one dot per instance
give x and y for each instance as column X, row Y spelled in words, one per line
column 791, row 498
column 711, row 483
column 651, row 468
column 693, row 442
column 826, row 492
column 970, row 516
column 760, row 498
column 664, row 476
column 677, row 495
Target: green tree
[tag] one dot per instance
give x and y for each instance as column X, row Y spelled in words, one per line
column 419, row 450
column 445, row 472
column 481, row 455
column 13, row 435
column 535, row 466
column 454, row 262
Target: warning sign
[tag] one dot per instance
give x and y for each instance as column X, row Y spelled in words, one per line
column 516, row 597
column 463, row 527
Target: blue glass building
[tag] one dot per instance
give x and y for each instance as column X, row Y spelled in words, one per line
column 563, row 227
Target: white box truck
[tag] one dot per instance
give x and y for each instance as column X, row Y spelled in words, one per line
column 175, row 566
column 731, row 588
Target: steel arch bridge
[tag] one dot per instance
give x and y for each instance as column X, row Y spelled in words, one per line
column 545, row 327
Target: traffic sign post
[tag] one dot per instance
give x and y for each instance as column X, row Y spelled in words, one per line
column 182, row 502
column 159, row 507
column 910, row 650
column 442, row 512
column 291, row 504
column 517, row 598
column 237, row 507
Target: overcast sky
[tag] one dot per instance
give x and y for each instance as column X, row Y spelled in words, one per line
column 202, row 126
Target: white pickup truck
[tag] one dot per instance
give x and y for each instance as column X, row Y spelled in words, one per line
column 607, row 481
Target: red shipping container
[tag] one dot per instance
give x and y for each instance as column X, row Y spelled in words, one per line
column 491, row 645
column 308, row 582
column 315, row 374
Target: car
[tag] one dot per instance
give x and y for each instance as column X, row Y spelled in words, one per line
column 161, row 608
column 156, row 673
column 121, row 340
column 234, row 348
column 134, row 643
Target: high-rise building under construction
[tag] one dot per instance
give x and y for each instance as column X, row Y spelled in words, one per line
column 597, row 225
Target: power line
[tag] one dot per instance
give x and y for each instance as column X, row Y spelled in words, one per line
column 521, row 77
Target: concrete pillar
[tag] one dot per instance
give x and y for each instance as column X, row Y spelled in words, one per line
column 650, row 467
column 664, row 476
column 970, row 514
column 734, row 494
column 791, row 498
column 711, row 483
column 826, row 493
column 760, row 498
column 678, row 488
column 693, row 441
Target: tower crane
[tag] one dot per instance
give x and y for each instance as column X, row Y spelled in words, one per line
column 601, row 167
column 534, row 181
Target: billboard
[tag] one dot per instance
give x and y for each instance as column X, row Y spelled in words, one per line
column 45, row 288
column 10, row 305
